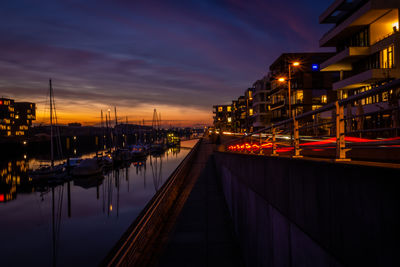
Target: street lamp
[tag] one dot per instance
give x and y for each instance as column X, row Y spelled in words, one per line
column 294, row 64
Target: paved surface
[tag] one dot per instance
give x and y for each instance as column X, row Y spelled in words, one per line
column 203, row 234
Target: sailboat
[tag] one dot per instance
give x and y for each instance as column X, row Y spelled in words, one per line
column 48, row 172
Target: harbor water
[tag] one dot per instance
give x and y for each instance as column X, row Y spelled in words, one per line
column 75, row 223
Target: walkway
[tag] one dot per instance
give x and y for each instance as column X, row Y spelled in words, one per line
column 203, row 234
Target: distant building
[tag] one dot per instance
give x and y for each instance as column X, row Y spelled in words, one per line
column 247, row 125
column 222, row 117
column 367, row 40
column 6, row 116
column 261, row 116
column 16, row 117
column 310, row 88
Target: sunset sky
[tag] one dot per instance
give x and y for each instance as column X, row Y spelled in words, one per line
column 179, row 57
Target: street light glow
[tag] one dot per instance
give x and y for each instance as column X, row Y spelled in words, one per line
column 281, row 79
column 296, row 64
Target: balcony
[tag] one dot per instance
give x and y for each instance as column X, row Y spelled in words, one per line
column 365, row 15
column 391, row 38
column 255, row 104
column 366, row 77
column 336, row 11
column 342, row 61
column 277, row 105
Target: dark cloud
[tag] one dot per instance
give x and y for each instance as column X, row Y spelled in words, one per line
column 132, row 53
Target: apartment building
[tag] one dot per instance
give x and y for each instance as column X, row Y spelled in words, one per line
column 261, row 117
column 222, row 117
column 310, row 89
column 367, row 40
column 16, row 117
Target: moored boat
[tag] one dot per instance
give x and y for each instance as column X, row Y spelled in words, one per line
column 87, row 167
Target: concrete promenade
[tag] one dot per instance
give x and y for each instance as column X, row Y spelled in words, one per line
column 203, row 234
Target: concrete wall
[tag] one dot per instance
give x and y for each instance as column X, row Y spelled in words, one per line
column 294, row 212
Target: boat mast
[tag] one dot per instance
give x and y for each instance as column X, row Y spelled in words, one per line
column 102, row 132
column 115, row 127
column 51, row 125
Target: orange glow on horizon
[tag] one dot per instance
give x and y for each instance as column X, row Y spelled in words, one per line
column 90, row 114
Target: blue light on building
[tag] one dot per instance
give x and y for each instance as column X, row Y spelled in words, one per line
column 315, row 67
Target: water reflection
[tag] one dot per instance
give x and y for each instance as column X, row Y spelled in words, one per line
column 13, row 175
column 74, row 222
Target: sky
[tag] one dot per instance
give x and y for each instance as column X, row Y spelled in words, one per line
column 179, row 57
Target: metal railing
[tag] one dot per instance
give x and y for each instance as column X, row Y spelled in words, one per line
column 328, row 128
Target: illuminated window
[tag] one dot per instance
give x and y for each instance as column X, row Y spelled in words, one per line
column 229, row 108
column 229, row 119
column 8, row 133
column 387, row 58
column 385, row 96
column 7, row 121
column 17, row 116
column 314, row 107
column 220, row 109
column 3, row 127
column 251, row 112
column 343, row 94
column 299, row 96
column 324, row 99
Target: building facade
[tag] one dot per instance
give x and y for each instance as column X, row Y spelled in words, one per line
column 261, row 116
column 367, row 40
column 310, row 89
column 222, row 117
column 16, row 117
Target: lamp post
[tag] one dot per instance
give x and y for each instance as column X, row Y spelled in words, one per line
column 294, row 64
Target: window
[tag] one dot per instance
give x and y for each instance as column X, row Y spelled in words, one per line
column 220, row 109
column 251, row 112
column 324, row 99
column 229, row 108
column 343, row 94
column 385, row 96
column 386, row 58
column 314, row 107
column 299, row 97
column 229, row 119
